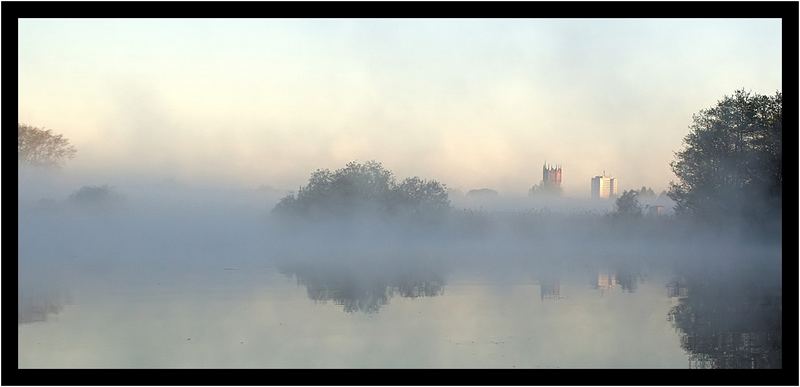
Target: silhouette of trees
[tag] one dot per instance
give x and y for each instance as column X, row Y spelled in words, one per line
column 365, row 189
column 42, row 147
column 628, row 205
column 419, row 197
column 545, row 189
column 95, row 197
column 38, row 306
column 647, row 193
column 363, row 290
column 735, row 323
column 731, row 163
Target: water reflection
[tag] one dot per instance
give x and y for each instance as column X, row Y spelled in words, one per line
column 629, row 280
column 550, row 289
column 359, row 289
column 487, row 318
column 733, row 324
column 677, row 288
column 605, row 281
column 36, row 307
column 624, row 278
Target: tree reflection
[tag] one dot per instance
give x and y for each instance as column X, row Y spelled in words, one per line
column 625, row 278
column 735, row 324
column 628, row 279
column 361, row 289
column 37, row 307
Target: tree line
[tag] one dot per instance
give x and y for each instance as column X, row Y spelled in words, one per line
column 730, row 167
column 365, row 189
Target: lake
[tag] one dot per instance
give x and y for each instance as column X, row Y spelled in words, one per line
column 425, row 313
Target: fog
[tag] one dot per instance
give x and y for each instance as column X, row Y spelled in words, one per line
column 92, row 240
column 467, row 101
column 140, row 220
column 197, row 193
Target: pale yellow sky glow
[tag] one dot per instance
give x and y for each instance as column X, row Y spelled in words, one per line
column 472, row 103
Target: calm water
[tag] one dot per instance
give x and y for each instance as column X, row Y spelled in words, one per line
column 294, row 314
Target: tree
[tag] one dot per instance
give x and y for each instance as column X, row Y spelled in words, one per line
column 628, row 205
column 646, row 192
column 42, row 147
column 731, row 163
column 364, row 288
column 421, row 197
column 545, row 189
column 95, row 197
column 726, row 322
column 365, row 189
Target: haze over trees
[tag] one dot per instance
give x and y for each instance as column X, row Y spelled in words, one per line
column 97, row 197
column 627, row 205
column 646, row 192
column 42, row 147
column 545, row 189
column 365, row 189
column 482, row 193
column 731, row 163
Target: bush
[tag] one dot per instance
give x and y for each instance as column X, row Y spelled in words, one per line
column 92, row 196
column 366, row 189
column 628, row 205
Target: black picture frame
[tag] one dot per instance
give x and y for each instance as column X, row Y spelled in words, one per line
column 786, row 11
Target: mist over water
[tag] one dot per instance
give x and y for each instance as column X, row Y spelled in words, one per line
column 211, row 193
column 148, row 272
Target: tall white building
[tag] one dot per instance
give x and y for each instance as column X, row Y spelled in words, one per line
column 604, row 187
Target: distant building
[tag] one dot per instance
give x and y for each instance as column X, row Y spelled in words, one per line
column 551, row 175
column 604, row 187
column 482, row 193
column 551, row 181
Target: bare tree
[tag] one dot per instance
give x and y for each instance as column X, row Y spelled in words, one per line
column 42, row 147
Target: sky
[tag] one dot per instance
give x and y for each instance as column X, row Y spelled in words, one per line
column 473, row 103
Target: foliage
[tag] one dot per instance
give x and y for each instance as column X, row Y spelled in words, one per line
column 418, row 197
column 545, row 189
column 40, row 147
column 646, row 192
column 729, row 324
column 360, row 290
column 95, row 196
column 731, row 163
column 628, row 205
column 365, row 189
